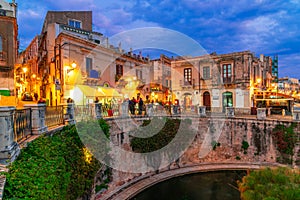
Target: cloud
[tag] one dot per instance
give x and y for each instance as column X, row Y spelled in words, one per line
column 262, row 26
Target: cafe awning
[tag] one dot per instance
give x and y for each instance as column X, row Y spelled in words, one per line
column 109, row 92
column 90, row 91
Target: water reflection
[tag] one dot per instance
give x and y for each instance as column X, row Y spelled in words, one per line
column 202, row 186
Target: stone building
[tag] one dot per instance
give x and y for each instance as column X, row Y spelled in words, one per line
column 26, row 70
column 220, row 81
column 76, row 62
column 8, row 46
column 289, row 86
column 161, row 83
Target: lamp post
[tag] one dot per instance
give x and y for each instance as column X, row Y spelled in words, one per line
column 59, row 75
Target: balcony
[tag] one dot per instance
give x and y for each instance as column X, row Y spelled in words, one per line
column 187, row 84
column 227, row 81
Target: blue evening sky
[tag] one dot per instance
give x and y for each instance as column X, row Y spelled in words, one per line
column 267, row 27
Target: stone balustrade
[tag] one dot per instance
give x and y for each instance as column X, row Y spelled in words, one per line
column 9, row 148
column 261, row 113
column 37, row 118
column 296, row 115
column 69, row 111
column 202, row 111
column 124, row 109
column 229, row 112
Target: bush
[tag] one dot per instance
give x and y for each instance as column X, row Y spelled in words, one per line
column 52, row 168
column 279, row 183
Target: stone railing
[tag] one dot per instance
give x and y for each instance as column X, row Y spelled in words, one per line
column 22, row 124
column 54, row 116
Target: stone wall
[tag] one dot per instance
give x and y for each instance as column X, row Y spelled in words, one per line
column 217, row 140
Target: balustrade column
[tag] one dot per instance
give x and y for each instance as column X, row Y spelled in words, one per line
column 9, row 148
column 124, row 109
column 202, row 111
column 296, row 115
column 98, row 110
column 261, row 113
column 69, row 113
column 38, row 112
column 230, row 111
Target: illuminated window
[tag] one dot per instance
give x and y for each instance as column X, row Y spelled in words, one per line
column 187, row 76
column 119, row 71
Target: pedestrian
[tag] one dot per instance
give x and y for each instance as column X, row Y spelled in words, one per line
column 96, row 100
column 41, row 100
column 69, row 100
column 141, row 104
column 36, row 96
column 132, row 103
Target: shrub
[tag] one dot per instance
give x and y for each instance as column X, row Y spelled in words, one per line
column 52, row 167
column 279, row 183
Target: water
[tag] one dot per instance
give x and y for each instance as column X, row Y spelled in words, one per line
column 221, row 185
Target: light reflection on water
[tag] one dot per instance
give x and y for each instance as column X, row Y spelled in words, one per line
column 221, row 185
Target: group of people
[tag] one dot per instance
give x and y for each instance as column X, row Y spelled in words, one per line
column 136, row 105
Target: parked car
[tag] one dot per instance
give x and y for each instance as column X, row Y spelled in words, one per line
column 26, row 96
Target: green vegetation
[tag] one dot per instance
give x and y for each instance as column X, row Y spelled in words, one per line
column 215, row 144
column 285, row 138
column 271, row 184
column 245, row 146
column 53, row 167
column 161, row 139
column 167, row 130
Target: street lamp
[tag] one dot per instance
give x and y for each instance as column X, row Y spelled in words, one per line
column 73, row 65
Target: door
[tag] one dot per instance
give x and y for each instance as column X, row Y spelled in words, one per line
column 206, row 100
column 227, row 100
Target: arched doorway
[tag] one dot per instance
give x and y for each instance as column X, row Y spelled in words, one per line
column 206, row 100
column 227, row 100
column 187, row 101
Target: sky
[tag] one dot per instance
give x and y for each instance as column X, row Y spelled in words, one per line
column 269, row 27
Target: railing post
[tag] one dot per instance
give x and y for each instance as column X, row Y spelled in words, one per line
column 261, row 113
column 38, row 112
column 230, row 111
column 202, row 111
column 175, row 110
column 9, row 148
column 70, row 113
column 296, row 115
column 98, row 110
column 124, row 109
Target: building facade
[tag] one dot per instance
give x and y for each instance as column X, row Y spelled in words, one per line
column 76, row 62
column 26, row 71
column 220, row 81
column 8, row 46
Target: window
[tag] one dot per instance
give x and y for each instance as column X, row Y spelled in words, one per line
column 139, row 74
column 74, row 23
column 187, row 76
column 119, row 71
column 206, row 72
column 227, row 73
column 89, row 66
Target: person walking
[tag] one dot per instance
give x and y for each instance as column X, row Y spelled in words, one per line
column 141, row 104
column 132, row 103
